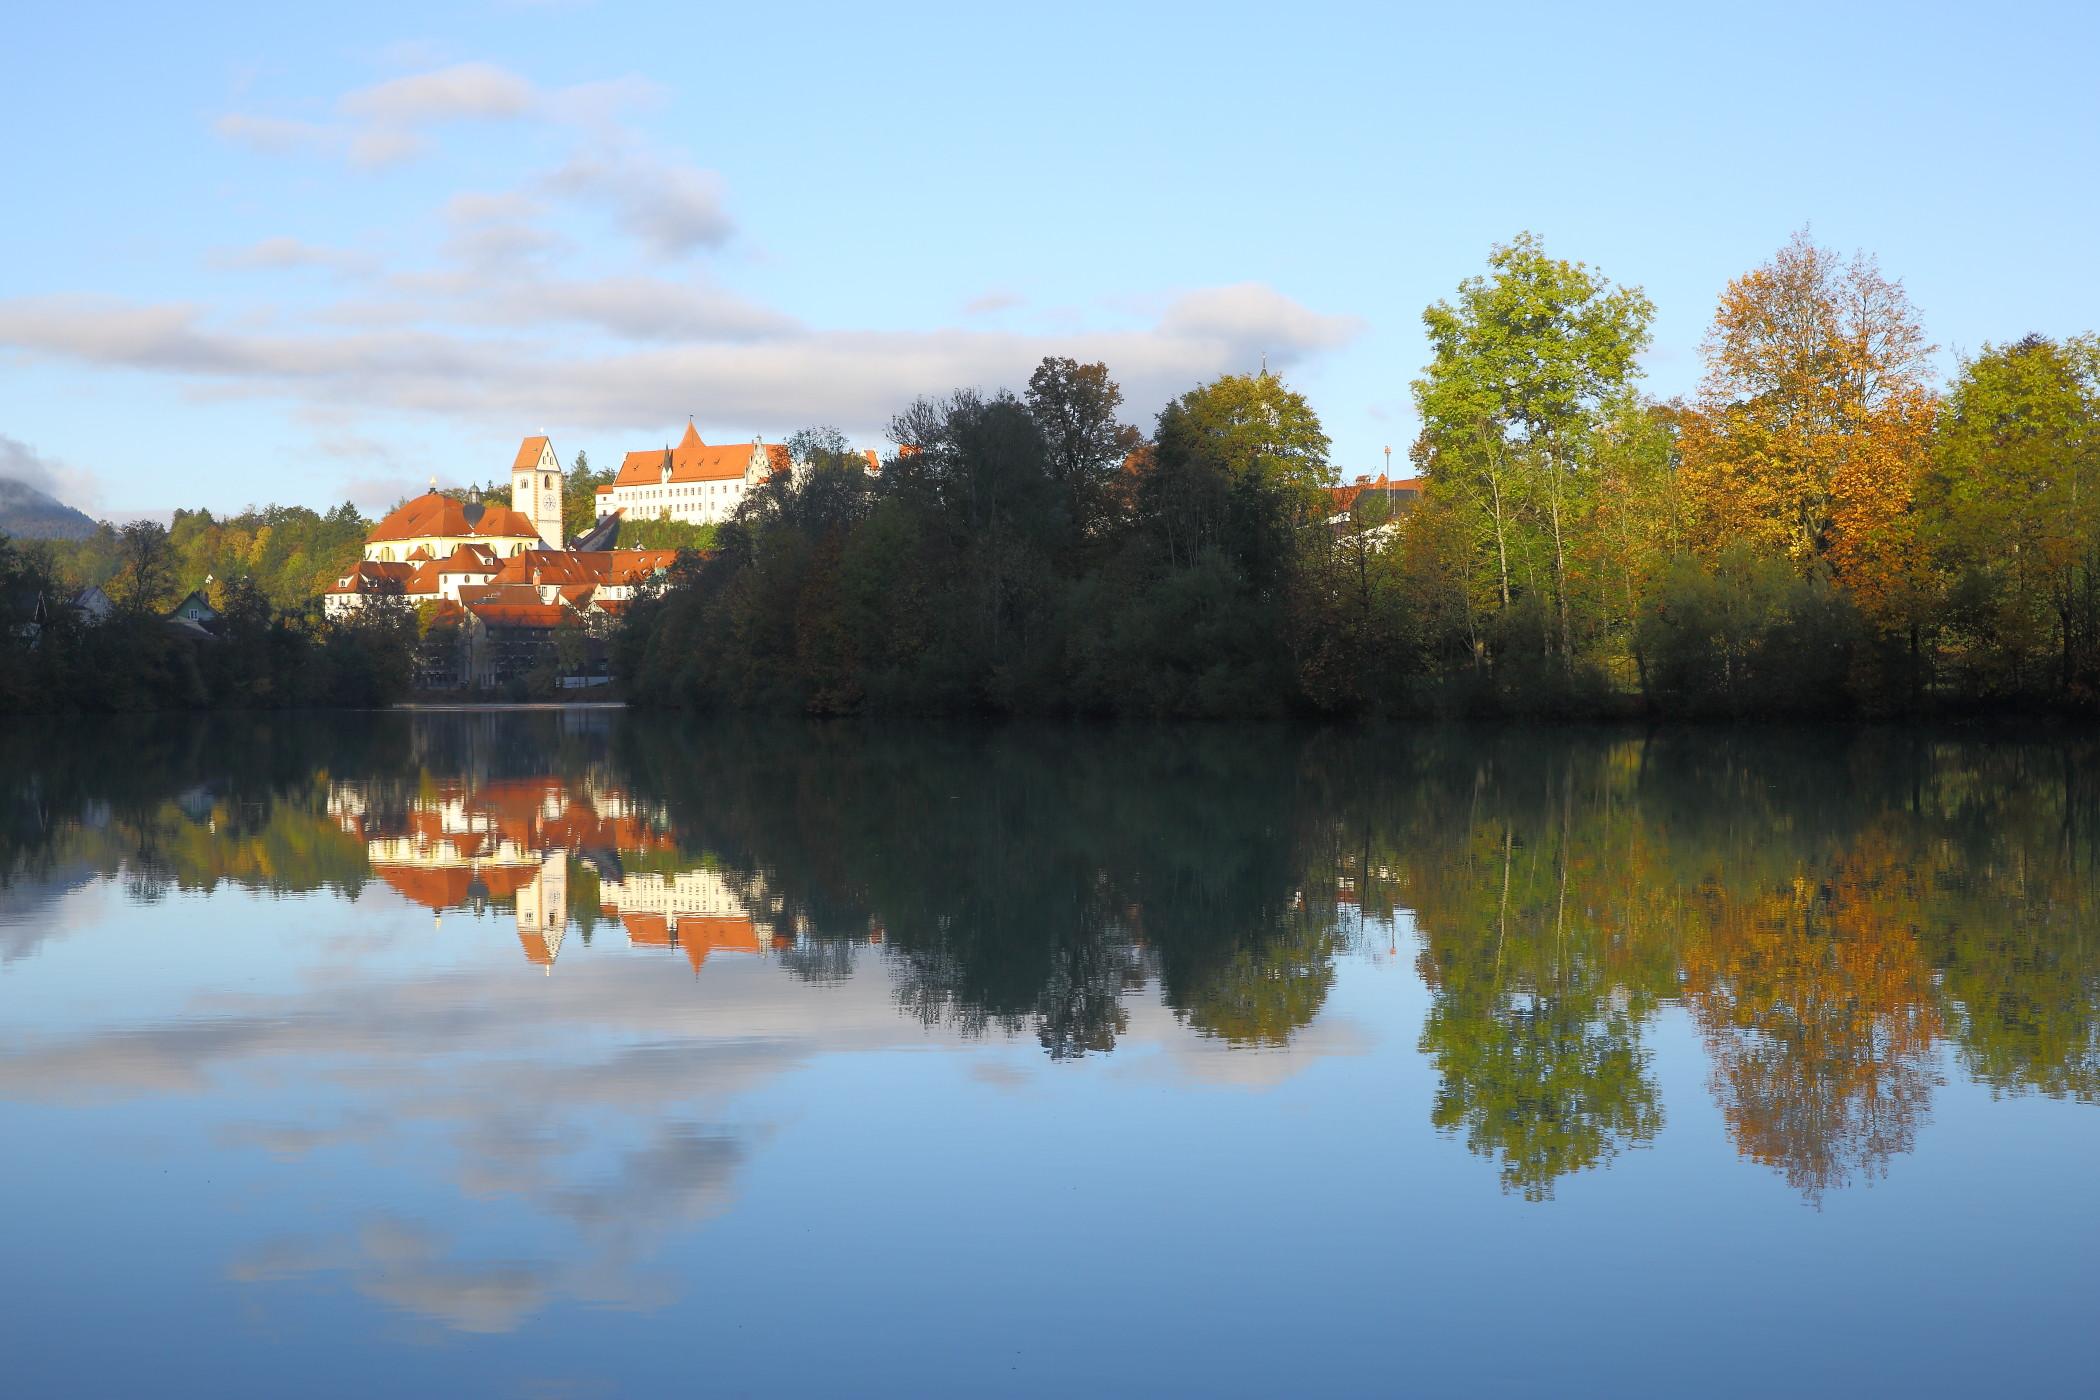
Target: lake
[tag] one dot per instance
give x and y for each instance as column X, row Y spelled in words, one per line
column 557, row 1053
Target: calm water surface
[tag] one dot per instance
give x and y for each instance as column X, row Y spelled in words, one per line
column 580, row 1054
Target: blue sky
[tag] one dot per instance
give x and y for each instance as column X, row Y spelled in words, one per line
column 305, row 254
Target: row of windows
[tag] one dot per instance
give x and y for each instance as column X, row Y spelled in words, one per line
column 387, row 554
column 667, row 493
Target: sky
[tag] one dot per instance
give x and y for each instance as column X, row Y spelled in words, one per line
column 308, row 254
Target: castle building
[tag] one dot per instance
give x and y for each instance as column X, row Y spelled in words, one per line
column 692, row 482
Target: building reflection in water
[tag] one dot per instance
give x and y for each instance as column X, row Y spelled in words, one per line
column 512, row 843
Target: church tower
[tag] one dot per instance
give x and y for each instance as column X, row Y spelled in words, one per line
column 535, row 489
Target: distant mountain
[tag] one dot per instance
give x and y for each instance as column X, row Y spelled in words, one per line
column 28, row 513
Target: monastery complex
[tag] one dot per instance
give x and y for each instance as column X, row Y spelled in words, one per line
column 507, row 577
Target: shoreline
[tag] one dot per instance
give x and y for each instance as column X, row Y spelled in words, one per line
column 440, row 707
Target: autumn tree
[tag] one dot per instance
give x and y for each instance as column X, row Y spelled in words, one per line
column 1817, row 1007
column 1811, row 423
column 145, row 567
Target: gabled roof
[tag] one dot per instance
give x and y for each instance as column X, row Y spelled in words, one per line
column 693, row 460
column 374, row 576
column 469, row 559
column 440, row 888
column 636, row 565
column 529, row 454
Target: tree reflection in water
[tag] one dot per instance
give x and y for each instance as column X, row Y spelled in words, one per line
column 1834, row 913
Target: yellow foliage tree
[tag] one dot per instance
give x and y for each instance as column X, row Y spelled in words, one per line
column 1813, row 423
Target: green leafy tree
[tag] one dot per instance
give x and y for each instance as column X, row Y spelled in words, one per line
column 1524, row 367
column 2012, row 501
column 1076, row 407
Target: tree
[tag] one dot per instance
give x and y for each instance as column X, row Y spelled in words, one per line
column 1075, row 406
column 1521, row 371
column 1235, row 465
column 1809, row 425
column 145, row 568
column 2012, row 501
column 579, row 496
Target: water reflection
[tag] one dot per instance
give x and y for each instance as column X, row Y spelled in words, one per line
column 1844, row 923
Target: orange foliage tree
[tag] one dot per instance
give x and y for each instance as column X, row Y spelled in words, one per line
column 1813, row 422
column 1818, row 1008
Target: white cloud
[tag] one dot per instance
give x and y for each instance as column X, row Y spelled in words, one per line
column 383, row 124
column 647, row 309
column 460, row 92
column 990, row 303
column 283, row 252
column 1247, row 313
column 274, row 135
column 385, row 145
column 673, row 345
column 671, row 207
column 600, row 104
column 500, row 227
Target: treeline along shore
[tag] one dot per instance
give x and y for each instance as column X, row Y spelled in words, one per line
column 1819, row 531
column 1823, row 528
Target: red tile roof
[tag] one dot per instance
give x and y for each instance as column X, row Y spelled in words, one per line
column 501, row 522
column 528, row 454
column 503, row 881
column 438, row 888
column 542, row 615
column 432, row 515
column 647, row 930
column 469, row 559
column 1344, row 497
column 700, row 935
column 693, row 460
column 374, row 576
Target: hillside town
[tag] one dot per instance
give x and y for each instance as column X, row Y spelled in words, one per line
column 496, row 585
